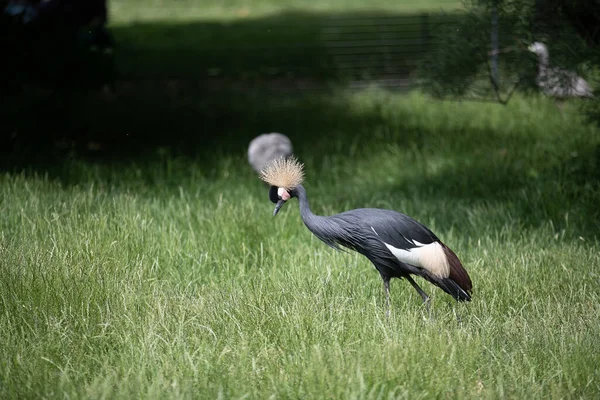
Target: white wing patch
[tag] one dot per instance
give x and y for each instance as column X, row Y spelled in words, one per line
column 427, row 256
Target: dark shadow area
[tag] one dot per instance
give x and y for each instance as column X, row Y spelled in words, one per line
column 62, row 45
column 203, row 90
column 293, row 44
column 196, row 86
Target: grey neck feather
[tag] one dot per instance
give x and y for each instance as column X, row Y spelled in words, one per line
column 305, row 212
column 543, row 60
column 317, row 224
column 330, row 230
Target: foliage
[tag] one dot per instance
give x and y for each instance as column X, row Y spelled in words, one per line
column 453, row 70
column 460, row 66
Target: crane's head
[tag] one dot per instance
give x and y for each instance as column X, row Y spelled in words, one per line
column 538, row 48
column 284, row 175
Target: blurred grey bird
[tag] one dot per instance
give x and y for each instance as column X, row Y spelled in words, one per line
column 267, row 147
column 397, row 245
column 557, row 82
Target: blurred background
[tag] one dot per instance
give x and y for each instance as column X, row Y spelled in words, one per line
column 116, row 79
column 115, row 84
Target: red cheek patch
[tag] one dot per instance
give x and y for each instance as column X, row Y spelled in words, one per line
column 285, row 196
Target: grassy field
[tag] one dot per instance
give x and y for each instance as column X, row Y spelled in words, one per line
column 270, row 38
column 167, row 277
column 134, row 11
column 150, row 266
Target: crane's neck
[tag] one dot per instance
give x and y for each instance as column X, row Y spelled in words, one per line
column 305, row 211
column 543, row 61
column 315, row 223
column 325, row 228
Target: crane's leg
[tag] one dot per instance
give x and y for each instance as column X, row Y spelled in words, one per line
column 419, row 290
column 386, row 285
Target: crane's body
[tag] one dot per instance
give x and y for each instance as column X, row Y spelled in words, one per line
column 557, row 82
column 397, row 245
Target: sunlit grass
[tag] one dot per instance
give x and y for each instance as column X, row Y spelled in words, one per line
column 127, row 11
column 170, row 279
column 194, row 39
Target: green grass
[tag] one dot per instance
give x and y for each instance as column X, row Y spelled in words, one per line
column 167, row 277
column 152, row 268
column 128, row 11
column 265, row 39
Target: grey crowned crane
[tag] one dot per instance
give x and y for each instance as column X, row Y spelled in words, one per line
column 557, row 82
column 395, row 243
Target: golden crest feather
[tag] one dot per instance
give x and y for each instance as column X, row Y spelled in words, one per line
column 284, row 173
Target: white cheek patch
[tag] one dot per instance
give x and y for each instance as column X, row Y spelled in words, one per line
column 429, row 256
column 281, row 192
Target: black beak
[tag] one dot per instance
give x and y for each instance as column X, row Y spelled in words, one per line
column 280, row 204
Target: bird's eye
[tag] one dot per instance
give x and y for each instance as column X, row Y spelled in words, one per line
column 273, row 196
